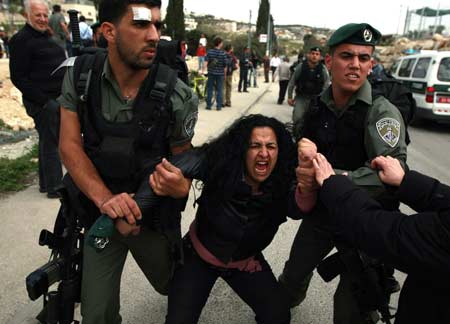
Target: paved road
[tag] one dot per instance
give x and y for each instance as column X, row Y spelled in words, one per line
column 25, row 213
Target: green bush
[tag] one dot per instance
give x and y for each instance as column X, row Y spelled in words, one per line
column 14, row 172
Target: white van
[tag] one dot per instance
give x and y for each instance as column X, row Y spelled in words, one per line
column 428, row 76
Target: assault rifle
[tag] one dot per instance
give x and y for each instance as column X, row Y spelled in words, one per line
column 76, row 38
column 64, row 267
column 77, row 45
column 368, row 281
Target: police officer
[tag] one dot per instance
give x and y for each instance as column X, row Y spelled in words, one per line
column 309, row 79
column 397, row 237
column 120, row 137
column 350, row 127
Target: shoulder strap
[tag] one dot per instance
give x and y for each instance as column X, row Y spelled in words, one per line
column 153, row 107
column 85, row 67
column 163, row 86
column 88, row 68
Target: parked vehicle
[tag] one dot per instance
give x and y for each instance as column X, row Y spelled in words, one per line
column 427, row 74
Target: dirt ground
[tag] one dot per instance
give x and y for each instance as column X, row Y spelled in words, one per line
column 12, row 111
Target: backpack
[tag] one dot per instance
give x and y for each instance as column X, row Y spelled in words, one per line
column 397, row 94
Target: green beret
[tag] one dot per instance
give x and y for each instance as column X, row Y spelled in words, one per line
column 359, row 34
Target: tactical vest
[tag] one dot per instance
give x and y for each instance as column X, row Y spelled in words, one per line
column 310, row 81
column 122, row 151
column 341, row 139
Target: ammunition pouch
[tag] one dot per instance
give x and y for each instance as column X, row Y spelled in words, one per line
column 116, row 157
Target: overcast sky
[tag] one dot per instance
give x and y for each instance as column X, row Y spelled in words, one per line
column 388, row 16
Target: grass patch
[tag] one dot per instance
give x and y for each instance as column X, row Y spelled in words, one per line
column 15, row 172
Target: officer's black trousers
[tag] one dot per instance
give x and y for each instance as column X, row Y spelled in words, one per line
column 314, row 240
column 192, row 284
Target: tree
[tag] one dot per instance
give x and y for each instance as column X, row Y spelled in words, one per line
column 175, row 19
column 273, row 38
column 263, row 13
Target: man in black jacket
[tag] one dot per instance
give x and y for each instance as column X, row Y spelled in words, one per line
column 244, row 64
column 418, row 244
column 33, row 58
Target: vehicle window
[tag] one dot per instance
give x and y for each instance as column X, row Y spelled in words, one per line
column 444, row 70
column 406, row 67
column 394, row 66
column 420, row 71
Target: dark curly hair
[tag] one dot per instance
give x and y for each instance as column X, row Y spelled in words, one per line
column 226, row 156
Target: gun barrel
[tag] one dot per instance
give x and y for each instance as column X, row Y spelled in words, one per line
column 76, row 38
column 41, row 279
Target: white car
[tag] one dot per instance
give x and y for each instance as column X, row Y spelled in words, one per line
column 427, row 74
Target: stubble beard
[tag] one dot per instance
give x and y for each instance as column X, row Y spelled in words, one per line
column 130, row 58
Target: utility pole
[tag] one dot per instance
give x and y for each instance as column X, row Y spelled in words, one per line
column 407, row 21
column 420, row 23
column 436, row 18
column 268, row 32
column 249, row 40
column 399, row 18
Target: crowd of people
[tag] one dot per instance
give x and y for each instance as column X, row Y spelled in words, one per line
column 126, row 145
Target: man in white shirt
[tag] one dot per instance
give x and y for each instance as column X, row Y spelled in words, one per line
column 274, row 62
column 85, row 32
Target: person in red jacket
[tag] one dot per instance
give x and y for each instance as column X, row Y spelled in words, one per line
column 201, row 53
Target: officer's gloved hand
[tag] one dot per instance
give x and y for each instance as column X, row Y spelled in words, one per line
column 100, row 233
column 52, row 105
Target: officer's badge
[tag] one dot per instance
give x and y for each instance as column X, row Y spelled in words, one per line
column 367, row 34
column 389, row 130
column 189, row 123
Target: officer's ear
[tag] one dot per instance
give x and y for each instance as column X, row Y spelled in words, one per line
column 328, row 61
column 109, row 31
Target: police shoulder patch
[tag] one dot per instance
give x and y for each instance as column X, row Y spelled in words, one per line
column 189, row 123
column 389, row 130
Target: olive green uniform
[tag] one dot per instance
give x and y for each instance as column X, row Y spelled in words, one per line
column 100, row 301
column 302, row 100
column 384, row 135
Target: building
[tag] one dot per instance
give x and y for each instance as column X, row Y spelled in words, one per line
column 85, row 8
column 190, row 23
